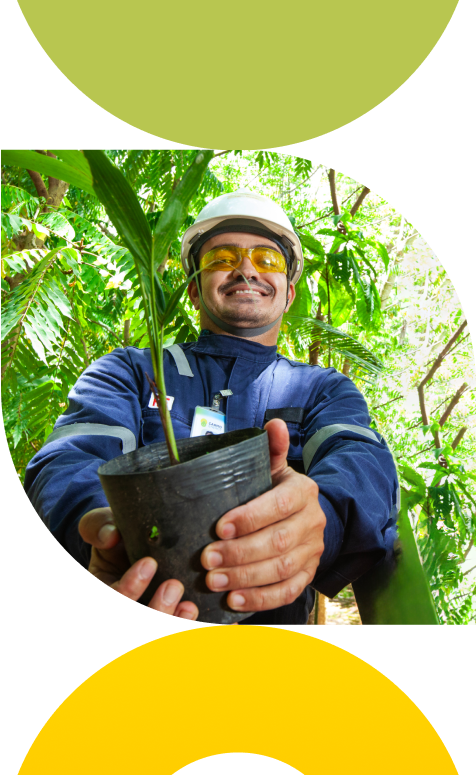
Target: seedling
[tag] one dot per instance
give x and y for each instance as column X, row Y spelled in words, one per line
column 148, row 250
column 94, row 172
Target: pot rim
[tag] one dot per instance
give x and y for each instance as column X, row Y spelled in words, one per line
column 210, row 455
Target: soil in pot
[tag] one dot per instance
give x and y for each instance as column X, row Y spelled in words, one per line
column 170, row 512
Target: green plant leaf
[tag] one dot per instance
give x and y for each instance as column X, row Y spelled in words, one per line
column 403, row 597
column 172, row 303
column 312, row 244
column 338, row 340
column 302, row 304
column 414, row 478
column 122, row 207
column 175, row 210
column 46, row 165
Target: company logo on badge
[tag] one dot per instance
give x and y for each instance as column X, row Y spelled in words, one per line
column 153, row 402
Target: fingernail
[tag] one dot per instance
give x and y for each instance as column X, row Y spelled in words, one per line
column 186, row 615
column 219, row 580
column 147, row 569
column 228, row 530
column 214, row 559
column 237, row 601
column 106, row 532
column 172, row 594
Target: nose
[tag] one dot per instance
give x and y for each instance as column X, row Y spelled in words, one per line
column 246, row 268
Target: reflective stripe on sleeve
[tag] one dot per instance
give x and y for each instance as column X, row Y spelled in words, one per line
column 95, row 429
column 183, row 366
column 310, row 448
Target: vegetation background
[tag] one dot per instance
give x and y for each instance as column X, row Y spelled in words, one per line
column 374, row 302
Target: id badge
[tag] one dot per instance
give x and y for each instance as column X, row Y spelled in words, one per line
column 207, row 422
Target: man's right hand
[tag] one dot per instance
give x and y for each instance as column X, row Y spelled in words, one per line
column 109, row 563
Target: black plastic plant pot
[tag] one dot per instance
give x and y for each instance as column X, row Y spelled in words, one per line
column 170, row 512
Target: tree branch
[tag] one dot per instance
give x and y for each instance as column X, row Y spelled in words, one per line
column 332, row 182
column 127, row 332
column 425, row 449
column 430, row 374
column 439, row 360
column 470, row 546
column 359, row 201
column 39, row 184
column 452, row 404
column 458, row 344
column 326, row 215
column 106, row 231
column 458, row 437
column 222, row 153
column 392, row 401
column 335, row 202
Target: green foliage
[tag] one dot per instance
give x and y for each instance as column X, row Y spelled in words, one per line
column 73, row 169
column 328, row 337
column 373, row 299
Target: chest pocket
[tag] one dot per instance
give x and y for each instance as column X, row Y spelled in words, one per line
column 293, row 416
column 152, row 430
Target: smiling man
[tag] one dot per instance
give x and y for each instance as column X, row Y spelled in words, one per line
column 246, row 281
column 330, row 516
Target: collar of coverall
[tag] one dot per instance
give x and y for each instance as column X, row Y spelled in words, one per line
column 233, row 347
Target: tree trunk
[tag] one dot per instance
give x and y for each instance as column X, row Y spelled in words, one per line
column 321, row 608
column 315, row 346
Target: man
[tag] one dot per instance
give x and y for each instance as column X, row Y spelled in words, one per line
column 330, row 516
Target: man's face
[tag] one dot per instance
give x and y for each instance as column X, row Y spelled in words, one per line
column 242, row 296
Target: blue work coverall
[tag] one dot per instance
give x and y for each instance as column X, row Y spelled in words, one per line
column 330, row 441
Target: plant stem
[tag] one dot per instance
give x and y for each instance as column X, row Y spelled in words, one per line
column 162, row 404
column 161, row 398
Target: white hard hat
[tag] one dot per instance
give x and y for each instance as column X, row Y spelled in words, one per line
column 253, row 210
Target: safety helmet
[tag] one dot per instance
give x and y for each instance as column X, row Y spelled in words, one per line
column 244, row 211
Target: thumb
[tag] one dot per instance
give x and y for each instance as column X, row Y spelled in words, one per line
column 97, row 527
column 278, row 437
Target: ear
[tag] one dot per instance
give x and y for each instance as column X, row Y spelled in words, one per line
column 192, row 291
column 291, row 296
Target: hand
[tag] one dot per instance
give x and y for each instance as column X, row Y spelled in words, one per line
column 277, row 538
column 110, row 564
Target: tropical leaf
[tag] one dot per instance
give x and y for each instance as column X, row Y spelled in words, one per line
column 337, row 340
column 311, row 243
column 74, row 172
column 17, row 200
column 56, row 223
column 302, row 304
column 122, row 207
column 401, row 596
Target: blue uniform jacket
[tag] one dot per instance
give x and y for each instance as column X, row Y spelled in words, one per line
column 330, row 440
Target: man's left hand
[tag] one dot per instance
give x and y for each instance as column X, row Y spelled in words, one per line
column 271, row 546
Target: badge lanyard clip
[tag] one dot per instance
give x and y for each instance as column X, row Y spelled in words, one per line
column 215, row 407
column 210, row 420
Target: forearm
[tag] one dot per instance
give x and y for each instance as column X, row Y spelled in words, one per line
column 63, row 485
column 357, row 492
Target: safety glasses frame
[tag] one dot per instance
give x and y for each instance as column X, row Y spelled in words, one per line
column 211, row 261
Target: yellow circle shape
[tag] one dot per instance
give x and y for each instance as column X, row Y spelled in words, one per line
column 258, row 690
column 247, row 75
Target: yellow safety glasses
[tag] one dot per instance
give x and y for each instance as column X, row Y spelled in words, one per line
column 228, row 257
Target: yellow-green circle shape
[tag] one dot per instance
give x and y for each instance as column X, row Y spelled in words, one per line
column 216, row 690
column 254, row 74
